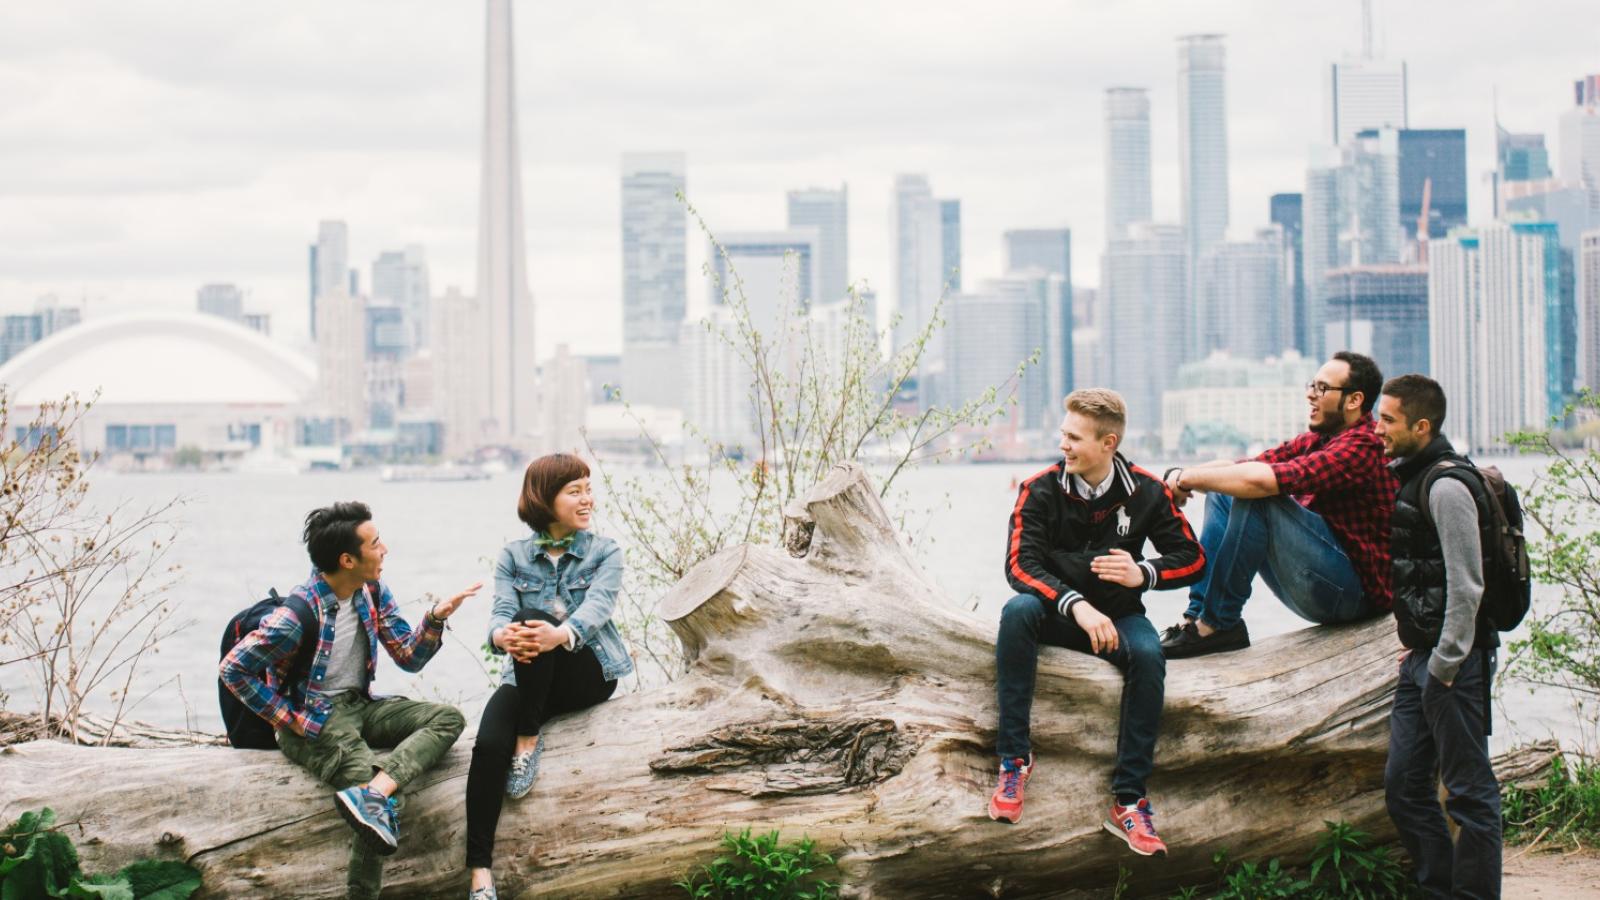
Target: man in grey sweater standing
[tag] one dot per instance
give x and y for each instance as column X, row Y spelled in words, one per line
column 1440, row 721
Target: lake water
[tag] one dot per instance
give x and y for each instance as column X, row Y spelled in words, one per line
column 240, row 535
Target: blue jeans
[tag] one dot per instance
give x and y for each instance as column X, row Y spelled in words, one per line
column 1439, row 733
column 1293, row 550
column 1025, row 623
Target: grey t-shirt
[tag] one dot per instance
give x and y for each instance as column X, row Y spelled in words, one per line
column 347, row 661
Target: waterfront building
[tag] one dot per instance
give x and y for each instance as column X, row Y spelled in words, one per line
column 1046, row 249
column 950, row 243
column 654, row 277
column 1224, row 405
column 1202, row 141
column 1127, row 158
column 400, row 278
column 1142, row 315
column 828, row 213
column 1379, row 311
column 151, row 404
column 329, row 265
column 1494, row 329
column 1435, row 158
column 1287, row 212
column 1242, row 300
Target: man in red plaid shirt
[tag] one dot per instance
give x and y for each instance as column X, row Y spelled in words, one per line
column 1311, row 516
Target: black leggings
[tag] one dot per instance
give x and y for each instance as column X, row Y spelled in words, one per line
column 554, row 683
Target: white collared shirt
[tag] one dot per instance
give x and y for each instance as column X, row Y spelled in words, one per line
column 1089, row 491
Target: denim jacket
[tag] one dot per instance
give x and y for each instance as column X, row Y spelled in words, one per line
column 587, row 578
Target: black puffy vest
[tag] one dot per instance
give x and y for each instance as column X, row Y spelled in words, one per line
column 1419, row 589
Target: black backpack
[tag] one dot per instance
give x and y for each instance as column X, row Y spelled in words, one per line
column 246, row 730
column 1507, row 576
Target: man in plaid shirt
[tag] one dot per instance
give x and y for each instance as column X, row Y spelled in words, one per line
column 328, row 722
column 1311, row 516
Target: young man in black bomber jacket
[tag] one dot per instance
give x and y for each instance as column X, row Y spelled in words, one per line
column 1074, row 554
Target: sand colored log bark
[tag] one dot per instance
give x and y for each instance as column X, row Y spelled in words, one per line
column 834, row 694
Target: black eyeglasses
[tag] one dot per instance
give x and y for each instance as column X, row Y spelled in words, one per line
column 1318, row 388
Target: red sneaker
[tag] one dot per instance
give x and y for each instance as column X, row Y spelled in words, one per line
column 1006, row 804
column 1136, row 825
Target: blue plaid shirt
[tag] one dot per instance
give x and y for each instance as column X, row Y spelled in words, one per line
column 255, row 669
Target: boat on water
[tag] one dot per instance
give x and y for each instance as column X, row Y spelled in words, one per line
column 446, row 472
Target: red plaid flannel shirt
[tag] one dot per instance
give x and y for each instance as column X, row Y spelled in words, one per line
column 1344, row 479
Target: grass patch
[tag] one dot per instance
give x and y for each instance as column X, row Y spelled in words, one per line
column 1564, row 810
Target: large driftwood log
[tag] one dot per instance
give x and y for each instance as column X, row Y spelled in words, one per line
column 830, row 696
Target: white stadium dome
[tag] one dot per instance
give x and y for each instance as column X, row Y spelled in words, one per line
column 160, row 359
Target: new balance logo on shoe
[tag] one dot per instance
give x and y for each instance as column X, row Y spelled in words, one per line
column 1136, row 825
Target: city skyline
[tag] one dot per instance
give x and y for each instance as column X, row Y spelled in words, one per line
column 138, row 195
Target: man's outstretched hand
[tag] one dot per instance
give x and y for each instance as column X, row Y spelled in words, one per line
column 443, row 609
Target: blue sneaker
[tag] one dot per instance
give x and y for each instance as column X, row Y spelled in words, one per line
column 372, row 815
column 524, row 769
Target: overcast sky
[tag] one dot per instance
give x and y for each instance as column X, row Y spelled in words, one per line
column 147, row 148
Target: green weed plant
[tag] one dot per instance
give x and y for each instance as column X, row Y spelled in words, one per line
column 759, row 867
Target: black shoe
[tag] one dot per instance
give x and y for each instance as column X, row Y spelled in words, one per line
column 1188, row 641
column 1173, row 631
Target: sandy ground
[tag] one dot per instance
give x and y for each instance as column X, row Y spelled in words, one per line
column 1550, row 875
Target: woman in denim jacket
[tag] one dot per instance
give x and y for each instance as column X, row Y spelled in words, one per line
column 554, row 593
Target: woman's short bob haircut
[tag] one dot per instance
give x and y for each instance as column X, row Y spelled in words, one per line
column 545, row 478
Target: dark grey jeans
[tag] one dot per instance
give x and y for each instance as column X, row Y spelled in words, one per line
column 1440, row 733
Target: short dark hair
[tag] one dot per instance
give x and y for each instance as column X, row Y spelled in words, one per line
column 1420, row 398
column 331, row 532
column 545, row 478
column 1364, row 377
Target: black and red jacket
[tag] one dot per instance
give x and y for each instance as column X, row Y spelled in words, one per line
column 1055, row 532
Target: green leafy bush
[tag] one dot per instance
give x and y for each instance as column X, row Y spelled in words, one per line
column 1344, row 866
column 36, row 860
column 757, row 867
column 1566, row 808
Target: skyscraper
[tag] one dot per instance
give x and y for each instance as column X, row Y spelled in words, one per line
column 827, row 211
column 995, row 327
column 774, row 272
column 1588, row 291
column 460, row 379
column 1144, row 296
column 1519, row 157
column 917, row 239
column 400, row 277
column 1579, row 157
column 1046, row 249
column 950, row 243
column 502, row 244
column 1364, row 94
column 1436, row 156
column 341, row 364
column 1369, row 196
column 330, row 264
column 1320, row 238
column 1380, row 311
column 1286, row 213
column 1241, row 296
column 1127, row 158
column 1493, row 307
column 1202, row 141
column 654, row 276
